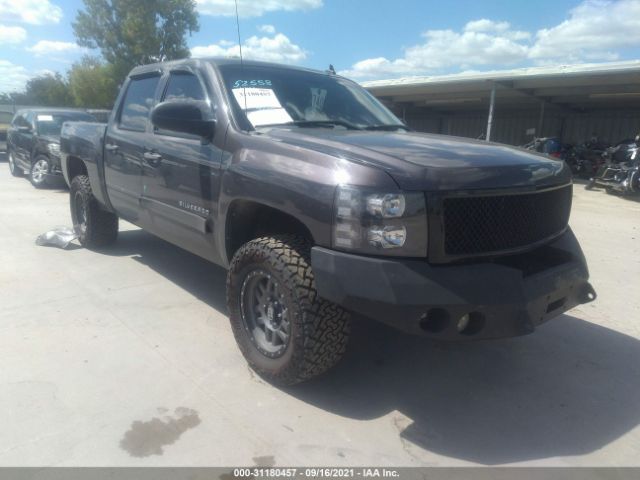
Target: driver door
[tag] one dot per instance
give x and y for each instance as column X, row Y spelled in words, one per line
column 20, row 140
column 181, row 176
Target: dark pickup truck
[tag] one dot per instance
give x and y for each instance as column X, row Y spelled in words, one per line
column 321, row 203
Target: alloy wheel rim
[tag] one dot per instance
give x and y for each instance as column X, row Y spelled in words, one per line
column 40, row 170
column 265, row 314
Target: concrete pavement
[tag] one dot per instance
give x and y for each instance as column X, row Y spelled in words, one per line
column 126, row 357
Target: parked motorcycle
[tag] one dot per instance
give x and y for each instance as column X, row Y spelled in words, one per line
column 549, row 145
column 621, row 172
column 586, row 159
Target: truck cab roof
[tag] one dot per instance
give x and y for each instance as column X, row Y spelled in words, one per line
column 216, row 61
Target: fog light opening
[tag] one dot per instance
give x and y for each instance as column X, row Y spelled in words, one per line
column 588, row 294
column 435, row 320
column 471, row 323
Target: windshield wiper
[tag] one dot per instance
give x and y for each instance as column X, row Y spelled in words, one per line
column 317, row 123
column 388, row 127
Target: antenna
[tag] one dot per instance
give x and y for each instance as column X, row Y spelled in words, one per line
column 241, row 60
column 238, row 27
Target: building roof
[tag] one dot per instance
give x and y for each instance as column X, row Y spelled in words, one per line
column 602, row 85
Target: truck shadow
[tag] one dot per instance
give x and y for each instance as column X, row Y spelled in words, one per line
column 201, row 278
column 571, row 388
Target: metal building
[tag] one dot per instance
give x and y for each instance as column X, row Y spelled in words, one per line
column 572, row 102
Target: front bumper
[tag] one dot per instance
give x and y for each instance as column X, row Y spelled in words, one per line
column 503, row 297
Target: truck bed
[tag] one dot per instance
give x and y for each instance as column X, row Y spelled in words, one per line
column 85, row 141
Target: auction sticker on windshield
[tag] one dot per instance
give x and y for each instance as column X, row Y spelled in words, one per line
column 256, row 98
column 261, row 105
column 45, row 118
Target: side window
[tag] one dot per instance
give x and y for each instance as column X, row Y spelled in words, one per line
column 30, row 120
column 183, row 86
column 20, row 121
column 137, row 103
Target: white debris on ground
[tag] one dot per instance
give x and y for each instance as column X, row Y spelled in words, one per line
column 59, row 237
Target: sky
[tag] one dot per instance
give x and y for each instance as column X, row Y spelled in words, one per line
column 363, row 39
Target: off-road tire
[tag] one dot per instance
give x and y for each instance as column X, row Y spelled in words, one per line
column 15, row 170
column 101, row 227
column 319, row 329
column 44, row 182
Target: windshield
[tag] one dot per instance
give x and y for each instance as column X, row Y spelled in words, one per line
column 51, row 123
column 281, row 96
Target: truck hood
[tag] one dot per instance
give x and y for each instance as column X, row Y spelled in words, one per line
column 429, row 162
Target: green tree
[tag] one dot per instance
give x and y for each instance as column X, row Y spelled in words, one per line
column 13, row 98
column 93, row 83
column 49, row 90
column 130, row 33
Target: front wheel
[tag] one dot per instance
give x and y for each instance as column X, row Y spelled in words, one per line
column 95, row 226
column 15, row 170
column 634, row 182
column 286, row 332
column 38, row 176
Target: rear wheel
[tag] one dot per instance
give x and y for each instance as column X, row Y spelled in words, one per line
column 15, row 170
column 286, row 332
column 95, row 226
column 39, row 174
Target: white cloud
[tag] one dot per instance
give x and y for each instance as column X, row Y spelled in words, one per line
column 486, row 25
column 481, row 42
column 276, row 48
column 52, row 47
column 12, row 34
column 253, row 8
column 502, row 28
column 35, row 12
column 12, row 77
column 270, row 29
column 594, row 30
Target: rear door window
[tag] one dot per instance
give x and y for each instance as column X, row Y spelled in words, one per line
column 138, row 102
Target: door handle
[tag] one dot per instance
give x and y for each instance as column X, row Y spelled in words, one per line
column 110, row 147
column 152, row 158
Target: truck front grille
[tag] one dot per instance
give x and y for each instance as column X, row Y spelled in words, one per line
column 495, row 223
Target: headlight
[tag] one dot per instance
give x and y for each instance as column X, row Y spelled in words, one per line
column 380, row 223
column 54, row 149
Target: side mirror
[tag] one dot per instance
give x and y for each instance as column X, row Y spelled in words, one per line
column 185, row 116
